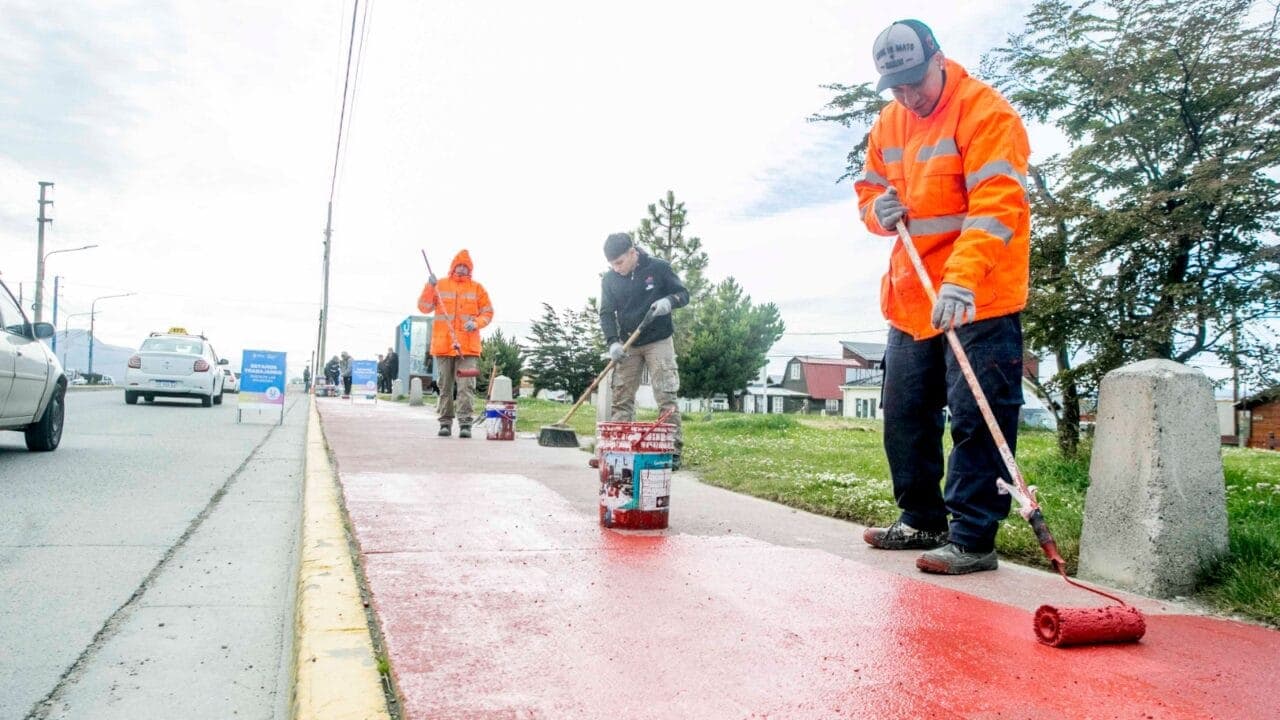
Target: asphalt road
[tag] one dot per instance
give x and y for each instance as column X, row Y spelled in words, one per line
column 147, row 565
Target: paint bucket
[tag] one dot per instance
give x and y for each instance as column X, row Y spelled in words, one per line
column 500, row 421
column 635, row 474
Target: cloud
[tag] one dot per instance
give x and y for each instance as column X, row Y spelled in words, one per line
column 194, row 143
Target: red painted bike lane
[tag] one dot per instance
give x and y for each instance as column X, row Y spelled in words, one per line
column 498, row 599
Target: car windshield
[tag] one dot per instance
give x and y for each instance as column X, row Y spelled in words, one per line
column 186, row 346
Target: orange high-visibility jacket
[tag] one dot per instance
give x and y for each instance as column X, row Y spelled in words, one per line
column 961, row 172
column 456, row 300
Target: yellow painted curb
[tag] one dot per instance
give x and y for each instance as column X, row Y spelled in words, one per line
column 336, row 674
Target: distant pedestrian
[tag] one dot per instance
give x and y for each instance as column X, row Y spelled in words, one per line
column 306, row 379
column 332, row 370
column 461, row 306
column 382, row 368
column 393, row 367
column 344, row 366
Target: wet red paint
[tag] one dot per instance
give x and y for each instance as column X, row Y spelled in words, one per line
column 497, row 599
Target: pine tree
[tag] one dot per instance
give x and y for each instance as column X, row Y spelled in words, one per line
column 662, row 236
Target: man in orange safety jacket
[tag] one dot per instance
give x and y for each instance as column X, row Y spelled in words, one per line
column 461, row 306
column 949, row 158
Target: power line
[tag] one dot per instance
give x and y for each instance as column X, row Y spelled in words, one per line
column 342, row 115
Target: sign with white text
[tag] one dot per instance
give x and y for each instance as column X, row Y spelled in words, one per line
column 262, row 378
column 364, row 379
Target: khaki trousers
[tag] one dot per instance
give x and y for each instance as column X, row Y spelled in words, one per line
column 447, row 367
column 660, row 358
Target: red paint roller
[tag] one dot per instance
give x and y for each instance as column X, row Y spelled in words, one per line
column 457, row 346
column 1057, row 627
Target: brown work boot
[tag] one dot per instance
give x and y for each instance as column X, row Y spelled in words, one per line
column 464, row 431
column 445, row 431
column 952, row 559
column 900, row 536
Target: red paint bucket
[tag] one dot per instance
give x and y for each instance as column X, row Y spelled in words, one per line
column 635, row 474
column 500, row 421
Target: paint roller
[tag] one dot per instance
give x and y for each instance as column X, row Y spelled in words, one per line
column 1057, row 627
column 459, row 371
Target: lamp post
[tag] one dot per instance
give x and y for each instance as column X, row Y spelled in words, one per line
column 91, row 319
column 38, row 305
column 66, row 325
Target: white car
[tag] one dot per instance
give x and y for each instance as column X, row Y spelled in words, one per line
column 175, row 364
column 33, row 386
column 230, row 381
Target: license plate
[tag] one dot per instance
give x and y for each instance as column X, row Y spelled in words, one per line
column 165, row 383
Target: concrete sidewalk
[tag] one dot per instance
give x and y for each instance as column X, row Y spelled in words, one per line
column 499, row 595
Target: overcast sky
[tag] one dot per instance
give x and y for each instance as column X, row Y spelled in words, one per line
column 193, row 141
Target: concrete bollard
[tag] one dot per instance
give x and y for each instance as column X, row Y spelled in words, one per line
column 415, row 391
column 604, row 398
column 501, row 390
column 397, row 388
column 1156, row 511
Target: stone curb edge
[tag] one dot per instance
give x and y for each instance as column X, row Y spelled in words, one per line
column 336, row 673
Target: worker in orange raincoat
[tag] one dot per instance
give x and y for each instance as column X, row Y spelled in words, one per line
column 461, row 307
column 949, row 158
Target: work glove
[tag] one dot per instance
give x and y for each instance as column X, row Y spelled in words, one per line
column 888, row 208
column 615, row 353
column 469, row 326
column 431, row 280
column 954, row 308
column 661, row 306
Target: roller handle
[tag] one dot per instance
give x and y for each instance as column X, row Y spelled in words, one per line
column 665, row 414
column 1047, row 543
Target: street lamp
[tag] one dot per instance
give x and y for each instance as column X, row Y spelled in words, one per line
column 39, row 306
column 66, row 326
column 91, row 319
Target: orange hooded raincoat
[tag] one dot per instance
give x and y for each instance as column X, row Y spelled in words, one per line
column 455, row 300
column 961, row 172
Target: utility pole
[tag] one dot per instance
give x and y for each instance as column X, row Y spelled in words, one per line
column 324, row 306
column 41, row 220
column 55, row 313
column 1235, row 379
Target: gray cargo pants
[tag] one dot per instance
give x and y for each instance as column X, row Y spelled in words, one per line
column 447, row 367
column 660, row 358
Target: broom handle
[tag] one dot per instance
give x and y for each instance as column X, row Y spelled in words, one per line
column 963, row 360
column 643, row 324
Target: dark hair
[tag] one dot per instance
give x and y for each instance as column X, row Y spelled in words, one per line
column 617, row 244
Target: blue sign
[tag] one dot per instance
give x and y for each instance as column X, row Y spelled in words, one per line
column 262, row 378
column 364, row 377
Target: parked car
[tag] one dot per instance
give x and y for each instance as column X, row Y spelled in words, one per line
column 175, row 364
column 230, row 381
column 33, row 386
column 1034, row 417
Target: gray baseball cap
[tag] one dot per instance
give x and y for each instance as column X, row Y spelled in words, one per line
column 902, row 53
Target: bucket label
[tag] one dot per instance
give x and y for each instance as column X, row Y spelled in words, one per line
column 635, row 481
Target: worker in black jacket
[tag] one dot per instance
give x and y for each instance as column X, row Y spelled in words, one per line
column 635, row 284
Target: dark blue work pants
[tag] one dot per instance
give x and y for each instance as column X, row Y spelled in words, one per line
column 921, row 378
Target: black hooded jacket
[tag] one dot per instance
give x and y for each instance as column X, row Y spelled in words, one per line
column 624, row 300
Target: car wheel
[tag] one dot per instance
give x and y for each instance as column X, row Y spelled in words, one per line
column 130, row 398
column 206, row 400
column 46, row 433
column 218, row 400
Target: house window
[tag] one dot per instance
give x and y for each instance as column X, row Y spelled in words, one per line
column 777, row 403
column 833, row 407
column 864, row 407
column 795, row 371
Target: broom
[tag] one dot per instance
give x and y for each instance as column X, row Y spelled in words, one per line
column 560, row 434
column 458, row 370
column 1054, row 626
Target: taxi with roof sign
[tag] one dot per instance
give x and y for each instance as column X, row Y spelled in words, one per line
column 175, row 364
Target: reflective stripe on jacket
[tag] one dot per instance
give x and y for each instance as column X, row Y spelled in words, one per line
column 961, row 172
column 455, row 301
